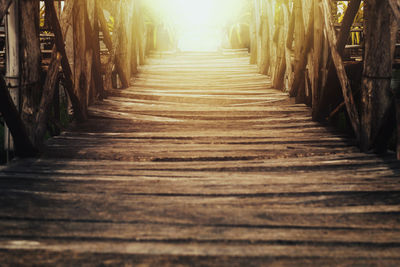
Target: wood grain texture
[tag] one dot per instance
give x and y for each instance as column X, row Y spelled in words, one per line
column 200, row 163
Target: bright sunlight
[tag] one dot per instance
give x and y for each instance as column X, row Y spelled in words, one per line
column 196, row 25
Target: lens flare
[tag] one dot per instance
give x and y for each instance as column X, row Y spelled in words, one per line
column 199, row 25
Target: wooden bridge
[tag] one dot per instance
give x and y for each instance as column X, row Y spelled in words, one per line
column 200, row 159
column 201, row 162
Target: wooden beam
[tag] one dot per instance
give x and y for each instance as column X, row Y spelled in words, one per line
column 22, row 142
column 341, row 72
column 59, row 34
column 47, row 97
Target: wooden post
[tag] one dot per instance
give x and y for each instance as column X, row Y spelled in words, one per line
column 395, row 5
column 289, row 48
column 253, row 35
column 280, row 62
column 317, row 54
column 266, row 24
column 257, row 17
column 397, row 106
column 30, row 63
column 12, row 60
column 22, row 142
column 141, row 35
column 378, row 59
column 135, row 42
column 299, row 70
column 299, row 30
column 97, row 72
column 82, row 56
column 122, row 50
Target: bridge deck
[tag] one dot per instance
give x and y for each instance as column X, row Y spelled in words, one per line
column 200, row 163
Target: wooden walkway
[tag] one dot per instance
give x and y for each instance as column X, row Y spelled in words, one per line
column 200, row 163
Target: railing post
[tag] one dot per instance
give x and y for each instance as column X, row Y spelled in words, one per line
column 12, row 64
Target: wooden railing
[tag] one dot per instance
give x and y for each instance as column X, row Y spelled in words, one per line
column 85, row 81
column 301, row 49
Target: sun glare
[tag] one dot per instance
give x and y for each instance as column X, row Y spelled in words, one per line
column 199, row 25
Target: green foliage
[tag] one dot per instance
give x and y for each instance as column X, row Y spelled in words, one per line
column 341, row 11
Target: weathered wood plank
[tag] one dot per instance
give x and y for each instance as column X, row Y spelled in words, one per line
column 201, row 166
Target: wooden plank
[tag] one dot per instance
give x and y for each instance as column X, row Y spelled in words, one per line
column 152, row 232
column 200, row 166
